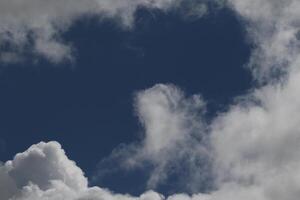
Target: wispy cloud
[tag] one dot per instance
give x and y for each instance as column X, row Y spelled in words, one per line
column 35, row 27
column 174, row 140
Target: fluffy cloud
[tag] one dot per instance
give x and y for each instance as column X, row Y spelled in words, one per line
column 273, row 27
column 255, row 143
column 252, row 148
column 43, row 172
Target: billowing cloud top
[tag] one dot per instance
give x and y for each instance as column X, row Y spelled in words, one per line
column 44, row 172
column 252, row 149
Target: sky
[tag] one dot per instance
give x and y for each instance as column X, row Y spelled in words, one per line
column 149, row 100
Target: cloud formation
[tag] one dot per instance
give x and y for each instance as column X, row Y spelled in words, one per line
column 174, row 139
column 174, row 142
column 35, row 27
column 273, row 27
column 43, row 172
column 252, row 148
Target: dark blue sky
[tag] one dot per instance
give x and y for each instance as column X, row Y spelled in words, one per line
column 88, row 106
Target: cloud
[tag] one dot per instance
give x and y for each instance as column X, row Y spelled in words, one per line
column 254, row 145
column 174, row 142
column 273, row 27
column 35, row 27
column 174, row 137
column 43, row 172
column 252, row 148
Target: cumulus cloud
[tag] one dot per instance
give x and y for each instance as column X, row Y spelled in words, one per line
column 43, row 172
column 251, row 149
column 254, row 146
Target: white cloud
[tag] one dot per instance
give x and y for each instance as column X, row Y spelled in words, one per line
column 167, row 115
column 43, row 172
column 174, row 141
column 34, row 27
column 273, row 26
column 256, row 146
column 256, row 142
column 253, row 147
column 174, row 132
column 41, row 22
